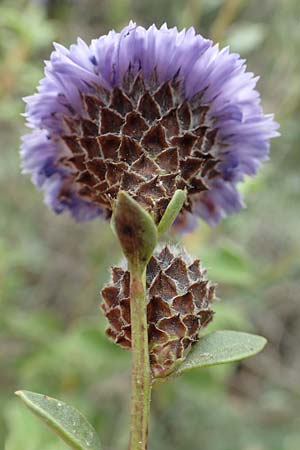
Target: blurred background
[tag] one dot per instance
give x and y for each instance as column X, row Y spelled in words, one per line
column 51, row 270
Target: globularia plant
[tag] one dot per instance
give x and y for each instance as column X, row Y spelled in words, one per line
column 149, row 129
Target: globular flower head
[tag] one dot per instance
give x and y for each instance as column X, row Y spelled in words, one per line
column 179, row 301
column 145, row 111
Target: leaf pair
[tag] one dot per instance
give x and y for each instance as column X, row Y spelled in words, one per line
column 136, row 229
column 213, row 349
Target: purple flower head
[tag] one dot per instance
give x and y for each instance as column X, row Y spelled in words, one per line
column 146, row 111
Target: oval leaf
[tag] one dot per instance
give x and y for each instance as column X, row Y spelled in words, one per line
column 172, row 211
column 136, row 230
column 221, row 347
column 66, row 421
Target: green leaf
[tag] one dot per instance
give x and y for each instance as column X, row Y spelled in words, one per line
column 172, row 211
column 136, row 230
column 221, row 347
column 66, row 421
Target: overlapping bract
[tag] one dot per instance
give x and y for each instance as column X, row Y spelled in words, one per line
column 152, row 110
column 178, row 305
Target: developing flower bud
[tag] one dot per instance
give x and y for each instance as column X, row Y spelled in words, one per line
column 179, row 305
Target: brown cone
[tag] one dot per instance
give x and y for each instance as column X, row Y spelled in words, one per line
column 179, row 305
column 143, row 138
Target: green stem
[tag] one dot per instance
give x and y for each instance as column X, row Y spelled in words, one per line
column 141, row 375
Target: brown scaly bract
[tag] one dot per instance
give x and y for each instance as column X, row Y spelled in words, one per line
column 179, row 304
column 143, row 138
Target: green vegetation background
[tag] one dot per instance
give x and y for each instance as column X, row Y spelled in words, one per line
column 51, row 331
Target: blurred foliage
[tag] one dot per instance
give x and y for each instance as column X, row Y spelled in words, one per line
column 51, row 333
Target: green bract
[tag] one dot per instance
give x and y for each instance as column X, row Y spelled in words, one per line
column 135, row 229
column 172, row 211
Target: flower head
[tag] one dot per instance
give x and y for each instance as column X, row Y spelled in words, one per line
column 179, row 301
column 148, row 112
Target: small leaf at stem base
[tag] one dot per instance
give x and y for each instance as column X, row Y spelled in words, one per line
column 220, row 347
column 64, row 420
column 136, row 230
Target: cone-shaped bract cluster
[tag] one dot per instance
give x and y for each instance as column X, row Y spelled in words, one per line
column 179, row 304
column 143, row 138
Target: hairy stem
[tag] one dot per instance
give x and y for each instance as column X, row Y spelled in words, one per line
column 141, row 376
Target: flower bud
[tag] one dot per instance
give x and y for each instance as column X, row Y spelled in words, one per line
column 179, row 301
